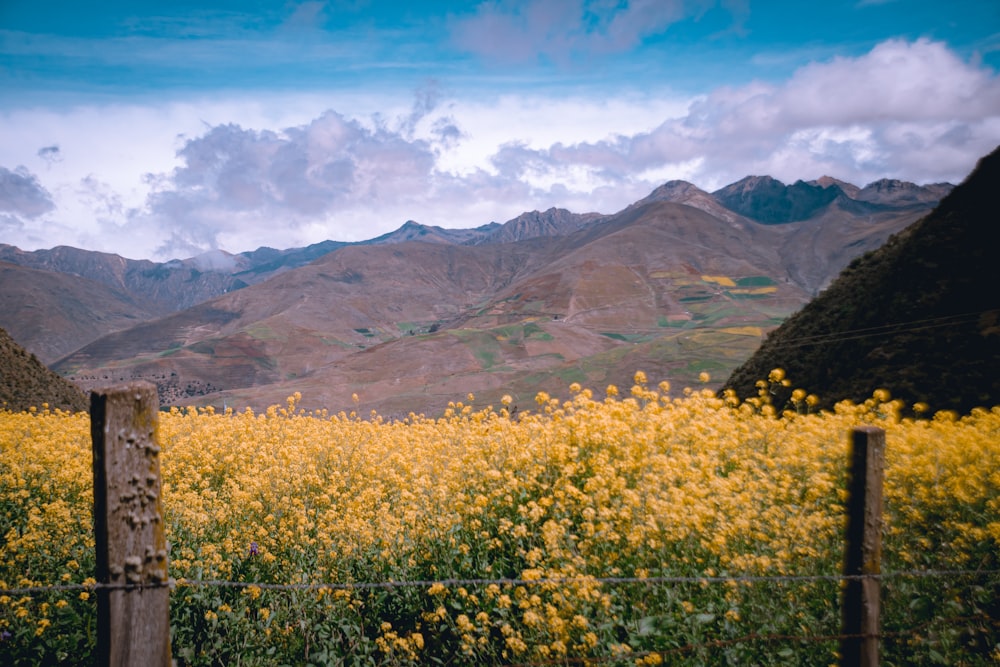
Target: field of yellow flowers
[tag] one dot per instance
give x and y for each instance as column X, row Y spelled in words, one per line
column 638, row 529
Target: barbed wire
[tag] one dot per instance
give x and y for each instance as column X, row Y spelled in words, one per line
column 456, row 582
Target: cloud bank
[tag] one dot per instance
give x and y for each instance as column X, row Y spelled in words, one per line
column 903, row 108
column 911, row 110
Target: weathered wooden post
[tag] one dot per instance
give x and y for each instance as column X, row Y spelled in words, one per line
column 863, row 554
column 133, row 598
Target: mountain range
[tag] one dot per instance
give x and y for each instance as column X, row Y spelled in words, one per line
column 680, row 282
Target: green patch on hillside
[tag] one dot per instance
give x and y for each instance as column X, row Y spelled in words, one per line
column 744, row 296
column 335, row 342
column 482, row 344
column 203, row 347
column 367, row 333
column 715, row 369
column 520, row 332
column 415, row 328
column 172, row 349
column 626, row 337
column 532, row 331
column 262, row 331
column 666, row 322
column 755, row 281
column 566, row 376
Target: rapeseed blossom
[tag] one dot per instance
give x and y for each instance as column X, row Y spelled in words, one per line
column 637, row 487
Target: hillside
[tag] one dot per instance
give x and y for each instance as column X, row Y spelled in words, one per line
column 919, row 316
column 26, row 383
column 53, row 313
column 675, row 284
column 411, row 325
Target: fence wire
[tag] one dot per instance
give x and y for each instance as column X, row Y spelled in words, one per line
column 542, row 581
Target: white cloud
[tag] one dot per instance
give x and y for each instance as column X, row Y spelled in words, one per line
column 287, row 170
column 231, row 175
column 21, row 194
column 905, row 109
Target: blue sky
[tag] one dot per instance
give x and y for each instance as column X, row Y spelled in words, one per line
column 166, row 129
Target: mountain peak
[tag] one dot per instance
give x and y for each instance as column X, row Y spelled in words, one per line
column 411, row 230
column 683, row 192
column 751, row 183
column 533, row 224
column 671, row 190
column 895, row 192
column 770, row 201
column 849, row 189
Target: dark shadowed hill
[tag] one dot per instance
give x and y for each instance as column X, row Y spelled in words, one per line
column 919, row 316
column 25, row 382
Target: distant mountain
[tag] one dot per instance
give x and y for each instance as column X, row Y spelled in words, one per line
column 920, row 316
column 409, row 324
column 535, row 224
column 901, row 193
column 848, row 189
column 26, row 383
column 56, row 313
column 770, row 201
column 414, row 231
column 660, row 286
column 674, row 284
column 257, row 265
column 682, row 192
column 161, row 287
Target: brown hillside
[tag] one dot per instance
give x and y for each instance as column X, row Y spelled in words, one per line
column 56, row 313
column 26, row 383
column 665, row 287
column 413, row 325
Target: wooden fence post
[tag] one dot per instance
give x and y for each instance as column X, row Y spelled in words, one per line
column 133, row 614
column 863, row 554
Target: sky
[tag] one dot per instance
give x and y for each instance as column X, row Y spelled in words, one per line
column 160, row 130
